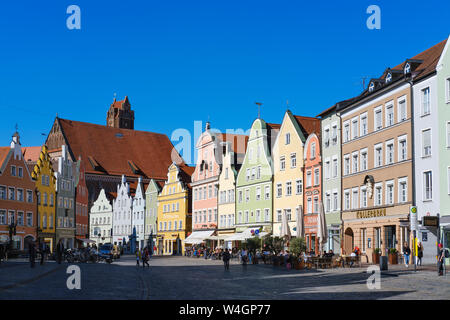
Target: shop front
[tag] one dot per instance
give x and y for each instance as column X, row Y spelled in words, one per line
column 382, row 230
column 312, row 243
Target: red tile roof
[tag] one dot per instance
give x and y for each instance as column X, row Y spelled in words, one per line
column 309, row 125
column 119, row 104
column 238, row 141
column 31, row 153
column 115, row 151
column 3, row 154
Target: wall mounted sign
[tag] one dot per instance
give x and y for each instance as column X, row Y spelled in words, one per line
column 364, row 214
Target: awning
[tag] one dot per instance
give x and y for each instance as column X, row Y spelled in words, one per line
column 86, row 240
column 246, row 234
column 197, row 237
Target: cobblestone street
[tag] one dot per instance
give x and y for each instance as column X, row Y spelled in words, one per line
column 199, row 279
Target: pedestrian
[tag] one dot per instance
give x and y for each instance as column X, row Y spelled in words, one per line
column 420, row 253
column 138, row 256
column 43, row 251
column 32, row 252
column 441, row 257
column 406, row 253
column 145, row 258
column 59, row 251
column 226, row 259
column 244, row 257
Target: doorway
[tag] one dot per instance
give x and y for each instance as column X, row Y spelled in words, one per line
column 348, row 240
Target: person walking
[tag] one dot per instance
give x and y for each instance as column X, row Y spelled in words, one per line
column 406, row 253
column 59, row 251
column 43, row 250
column 419, row 253
column 244, row 257
column 138, row 256
column 145, row 258
column 226, row 259
column 32, row 252
column 441, row 260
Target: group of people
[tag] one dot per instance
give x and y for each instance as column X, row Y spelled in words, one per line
column 144, row 256
column 35, row 247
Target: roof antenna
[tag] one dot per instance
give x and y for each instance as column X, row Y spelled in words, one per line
column 363, row 82
column 115, row 94
column 259, row 104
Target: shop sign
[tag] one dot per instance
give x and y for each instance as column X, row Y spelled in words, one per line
column 364, row 214
column 430, row 221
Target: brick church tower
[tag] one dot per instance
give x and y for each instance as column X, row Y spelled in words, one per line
column 120, row 115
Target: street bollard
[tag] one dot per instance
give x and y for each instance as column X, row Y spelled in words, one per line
column 383, row 262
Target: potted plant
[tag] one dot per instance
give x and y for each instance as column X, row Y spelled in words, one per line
column 297, row 246
column 376, row 256
column 392, row 257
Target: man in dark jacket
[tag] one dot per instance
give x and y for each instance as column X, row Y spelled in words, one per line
column 59, row 251
column 32, row 252
column 43, row 251
column 226, row 259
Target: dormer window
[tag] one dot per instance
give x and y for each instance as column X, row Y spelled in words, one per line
column 407, row 68
column 389, row 77
column 371, row 86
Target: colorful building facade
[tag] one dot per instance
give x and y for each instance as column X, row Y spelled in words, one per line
column 151, row 211
column 81, row 204
column 174, row 211
column 101, row 220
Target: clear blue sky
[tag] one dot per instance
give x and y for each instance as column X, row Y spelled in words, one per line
column 181, row 61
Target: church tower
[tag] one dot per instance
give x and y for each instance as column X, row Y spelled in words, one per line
column 120, row 115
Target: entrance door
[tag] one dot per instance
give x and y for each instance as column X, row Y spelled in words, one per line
column 390, row 237
column 348, row 241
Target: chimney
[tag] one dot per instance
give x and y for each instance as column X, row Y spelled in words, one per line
column 208, row 126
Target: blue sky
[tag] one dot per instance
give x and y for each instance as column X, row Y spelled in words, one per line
column 182, row 61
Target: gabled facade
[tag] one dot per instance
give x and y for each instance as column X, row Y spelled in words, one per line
column 66, row 175
column 122, row 214
column 313, row 190
column 101, row 219
column 45, row 185
column 17, row 198
column 81, row 204
column 288, row 173
column 254, row 207
column 151, row 211
column 174, row 211
column 138, row 215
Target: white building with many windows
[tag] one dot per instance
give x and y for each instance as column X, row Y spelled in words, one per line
column 122, row 207
column 100, row 220
column 137, row 220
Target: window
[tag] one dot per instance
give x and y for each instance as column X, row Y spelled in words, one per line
column 378, row 194
column 427, row 185
column 226, row 173
column 20, row 218
column 363, row 124
column 2, row 193
column 247, row 195
column 390, row 192
column 267, row 192
column 11, row 193
column 19, row 194
column 363, row 197
column 363, row 159
column 327, row 202
column 309, row 205
column 389, row 115
column 378, row 155
column 403, row 190
column 354, row 128
column 288, row 188
column 287, row 138
column 3, row 217
column 402, row 148
column 246, row 216
column 248, row 174
column 346, row 131
column 308, row 179
column 316, row 204
column 316, row 177
column 335, row 168
column 20, row 172
column 267, row 214
column 258, row 215
column 334, row 134
column 13, row 171
column 346, row 164
column 258, row 172
column 448, row 134
column 327, row 137
column 293, row 160
column 402, row 109
column 209, row 191
column 447, row 84
column 29, row 219
column 287, row 212
column 258, row 193
column 354, row 198
column 299, row 186
column 313, row 150
column 335, row 200
column 282, row 163
column 240, row 196
column 378, row 118
column 279, row 190
column 426, row 142
column 327, row 169
column 425, row 101
column 346, row 199
column 390, row 152
column 355, row 162
column 279, row 215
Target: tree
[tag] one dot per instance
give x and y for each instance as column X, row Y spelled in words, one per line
column 252, row 244
column 297, row 246
column 274, row 244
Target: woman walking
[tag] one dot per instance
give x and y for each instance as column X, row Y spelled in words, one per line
column 406, row 253
column 145, row 258
column 420, row 253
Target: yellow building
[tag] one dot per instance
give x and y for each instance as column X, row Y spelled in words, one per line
column 174, row 210
column 45, row 179
column 288, row 165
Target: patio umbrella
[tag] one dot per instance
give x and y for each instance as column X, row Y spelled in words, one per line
column 322, row 232
column 300, row 229
column 285, row 230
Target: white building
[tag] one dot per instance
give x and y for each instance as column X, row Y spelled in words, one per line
column 137, row 220
column 100, row 220
column 122, row 207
